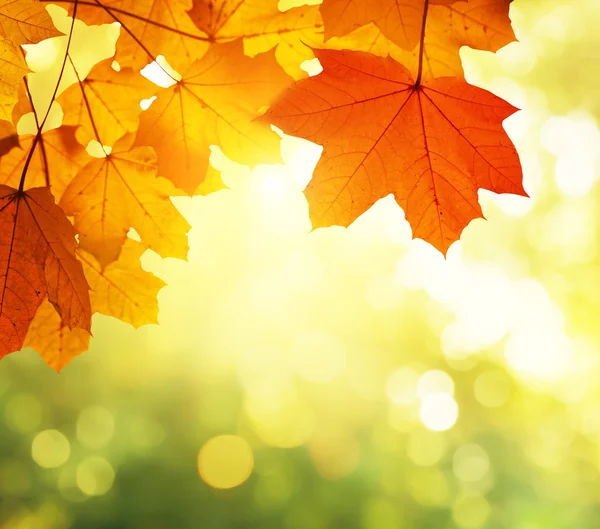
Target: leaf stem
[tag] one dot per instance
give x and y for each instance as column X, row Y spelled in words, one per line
column 41, row 125
column 37, row 124
column 422, row 44
column 88, row 107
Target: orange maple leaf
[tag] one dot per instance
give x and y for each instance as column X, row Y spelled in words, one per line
column 37, row 259
column 443, row 25
column 215, row 102
column 432, row 145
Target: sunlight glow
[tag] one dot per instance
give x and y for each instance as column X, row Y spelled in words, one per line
column 318, row 356
column 439, row 411
column 161, row 73
column 435, row 381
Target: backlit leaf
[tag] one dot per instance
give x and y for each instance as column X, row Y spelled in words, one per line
column 123, row 289
column 57, row 158
column 450, row 24
column 53, row 340
column 216, row 102
column 37, row 260
column 432, row 146
column 110, row 195
column 106, row 104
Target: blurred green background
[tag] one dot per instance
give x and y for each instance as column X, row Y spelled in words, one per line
column 348, row 378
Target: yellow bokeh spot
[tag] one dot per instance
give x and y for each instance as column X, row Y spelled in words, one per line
column 50, row 449
column 435, row 381
column 95, row 427
column 471, row 463
column 225, row 461
column 95, row 476
column 318, row 356
column 438, row 411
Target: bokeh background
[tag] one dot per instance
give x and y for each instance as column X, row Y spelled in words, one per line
column 346, row 378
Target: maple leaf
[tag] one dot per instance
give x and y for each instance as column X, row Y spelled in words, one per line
column 21, row 22
column 25, row 22
column 444, row 25
column 106, row 104
column 432, row 145
column 57, row 158
column 183, row 31
column 123, row 289
column 110, row 195
column 262, row 26
column 12, row 70
column 37, row 260
column 215, row 102
column 149, row 28
column 54, row 341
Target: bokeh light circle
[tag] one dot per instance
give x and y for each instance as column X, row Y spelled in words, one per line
column 225, row 461
column 435, row 381
column 95, row 476
column 438, row 411
column 50, row 449
column 470, row 463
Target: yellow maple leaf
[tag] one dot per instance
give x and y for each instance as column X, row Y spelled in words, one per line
column 110, row 195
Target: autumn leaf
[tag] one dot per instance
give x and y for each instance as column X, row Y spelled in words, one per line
column 110, row 195
column 149, row 28
column 53, row 340
column 262, row 26
column 123, row 289
column 215, row 102
column 431, row 145
column 21, row 22
column 57, row 158
column 25, row 22
column 106, row 104
column 12, row 70
column 449, row 25
column 37, row 260
column 183, row 31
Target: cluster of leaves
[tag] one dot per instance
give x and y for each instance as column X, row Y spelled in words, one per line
column 391, row 109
